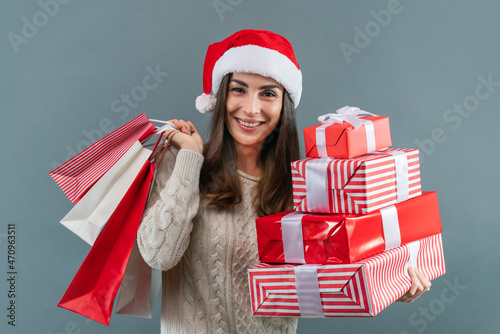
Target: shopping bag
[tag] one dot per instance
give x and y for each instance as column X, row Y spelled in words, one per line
column 141, row 283
column 95, row 285
column 90, row 214
column 78, row 174
column 139, row 288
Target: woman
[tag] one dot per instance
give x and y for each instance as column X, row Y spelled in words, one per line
column 199, row 224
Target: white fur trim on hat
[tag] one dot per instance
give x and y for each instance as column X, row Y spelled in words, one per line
column 263, row 61
column 205, row 103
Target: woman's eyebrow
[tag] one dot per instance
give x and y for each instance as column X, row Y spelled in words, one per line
column 270, row 87
column 240, row 82
column 244, row 84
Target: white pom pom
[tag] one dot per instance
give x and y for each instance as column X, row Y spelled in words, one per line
column 205, row 103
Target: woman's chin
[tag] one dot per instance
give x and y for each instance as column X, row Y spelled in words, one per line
column 245, row 141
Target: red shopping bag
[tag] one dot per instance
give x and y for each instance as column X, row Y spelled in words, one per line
column 95, row 285
column 78, row 174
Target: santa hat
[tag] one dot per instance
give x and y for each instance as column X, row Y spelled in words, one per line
column 250, row 51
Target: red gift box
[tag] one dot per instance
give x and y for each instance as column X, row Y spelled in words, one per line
column 344, row 141
column 348, row 238
column 362, row 289
column 358, row 185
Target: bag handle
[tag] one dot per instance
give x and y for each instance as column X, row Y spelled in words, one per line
column 154, row 152
column 159, row 149
column 164, row 149
column 161, row 129
column 158, row 121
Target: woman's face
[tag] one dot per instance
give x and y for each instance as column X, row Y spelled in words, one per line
column 253, row 107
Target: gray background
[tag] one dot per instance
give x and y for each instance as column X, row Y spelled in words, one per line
column 64, row 80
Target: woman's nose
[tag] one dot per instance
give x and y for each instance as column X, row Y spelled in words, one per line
column 251, row 105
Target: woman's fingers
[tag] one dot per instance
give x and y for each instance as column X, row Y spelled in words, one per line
column 176, row 123
column 419, row 284
column 186, row 137
column 423, row 280
column 415, row 281
column 179, row 124
column 193, row 128
column 183, row 126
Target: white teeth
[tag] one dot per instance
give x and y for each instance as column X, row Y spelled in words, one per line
column 250, row 125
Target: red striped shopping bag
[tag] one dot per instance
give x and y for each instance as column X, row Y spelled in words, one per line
column 78, row 174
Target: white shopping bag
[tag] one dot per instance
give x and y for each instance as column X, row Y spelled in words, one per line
column 90, row 214
column 139, row 288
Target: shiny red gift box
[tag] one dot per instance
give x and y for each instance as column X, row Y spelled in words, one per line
column 347, row 238
column 344, row 141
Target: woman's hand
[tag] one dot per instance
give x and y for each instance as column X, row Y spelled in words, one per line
column 187, row 137
column 419, row 284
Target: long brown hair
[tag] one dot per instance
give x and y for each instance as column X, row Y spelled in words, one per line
column 219, row 182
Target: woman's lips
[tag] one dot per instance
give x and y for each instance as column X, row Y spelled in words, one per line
column 248, row 128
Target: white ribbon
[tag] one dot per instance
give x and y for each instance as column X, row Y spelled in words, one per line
column 371, row 145
column 317, row 185
column 293, row 243
column 402, row 175
column 349, row 115
column 390, row 224
column 307, row 284
column 413, row 249
column 402, row 178
column 321, row 139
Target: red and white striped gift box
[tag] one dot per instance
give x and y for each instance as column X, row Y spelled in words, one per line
column 358, row 185
column 78, row 174
column 362, row 289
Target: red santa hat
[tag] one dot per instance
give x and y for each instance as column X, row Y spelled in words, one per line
column 250, row 51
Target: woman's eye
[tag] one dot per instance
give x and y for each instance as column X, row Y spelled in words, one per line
column 237, row 89
column 269, row 94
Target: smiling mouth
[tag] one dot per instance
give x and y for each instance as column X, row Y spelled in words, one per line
column 248, row 124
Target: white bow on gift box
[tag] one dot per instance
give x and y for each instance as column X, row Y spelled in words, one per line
column 349, row 115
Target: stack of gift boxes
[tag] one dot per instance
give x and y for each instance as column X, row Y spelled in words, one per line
column 360, row 220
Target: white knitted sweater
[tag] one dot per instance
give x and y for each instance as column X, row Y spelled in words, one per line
column 204, row 253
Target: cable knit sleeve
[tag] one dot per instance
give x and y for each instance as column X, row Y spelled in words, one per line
column 166, row 225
